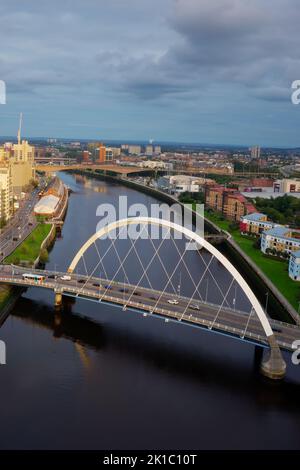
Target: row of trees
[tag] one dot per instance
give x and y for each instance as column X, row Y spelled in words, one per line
column 283, row 210
column 274, row 252
column 192, row 198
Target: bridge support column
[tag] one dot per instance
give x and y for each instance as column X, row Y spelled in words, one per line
column 58, row 299
column 273, row 365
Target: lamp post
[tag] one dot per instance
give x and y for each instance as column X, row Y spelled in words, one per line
column 267, row 301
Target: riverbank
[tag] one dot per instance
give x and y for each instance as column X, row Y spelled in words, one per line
column 259, row 281
column 8, row 297
column 276, row 270
column 31, row 248
column 31, row 252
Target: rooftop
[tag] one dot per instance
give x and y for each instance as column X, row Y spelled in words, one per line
column 255, row 216
column 296, row 254
column 46, row 205
column 283, row 232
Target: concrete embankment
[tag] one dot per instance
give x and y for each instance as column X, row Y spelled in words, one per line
column 12, row 295
column 277, row 303
column 47, row 243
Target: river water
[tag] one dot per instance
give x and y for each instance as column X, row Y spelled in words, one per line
column 96, row 377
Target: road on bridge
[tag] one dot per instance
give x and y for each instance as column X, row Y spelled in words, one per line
column 168, row 305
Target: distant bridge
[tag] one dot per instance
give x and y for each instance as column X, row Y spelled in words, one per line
column 123, row 170
column 115, row 169
column 254, row 327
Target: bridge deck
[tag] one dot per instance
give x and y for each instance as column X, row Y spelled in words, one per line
column 206, row 315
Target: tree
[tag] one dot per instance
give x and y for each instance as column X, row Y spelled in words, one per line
column 2, row 222
column 44, row 256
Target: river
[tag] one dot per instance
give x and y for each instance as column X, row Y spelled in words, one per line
column 96, row 377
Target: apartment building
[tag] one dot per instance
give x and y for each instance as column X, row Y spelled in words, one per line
column 232, row 204
column 214, row 197
column 287, row 186
column 6, row 192
column 282, row 239
column 235, row 206
column 255, row 223
column 294, row 266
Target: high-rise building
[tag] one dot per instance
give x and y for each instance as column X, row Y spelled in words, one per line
column 116, row 152
column 21, row 161
column 255, row 152
column 157, row 149
column 109, row 154
column 134, row 149
column 149, row 150
column 102, row 153
column 85, row 155
column 6, row 191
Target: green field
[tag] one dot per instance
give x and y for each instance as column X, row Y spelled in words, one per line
column 276, row 270
column 29, row 250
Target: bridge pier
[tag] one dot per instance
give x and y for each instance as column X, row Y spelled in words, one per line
column 273, row 365
column 58, row 299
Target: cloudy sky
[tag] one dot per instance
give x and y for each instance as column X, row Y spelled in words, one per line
column 208, row 71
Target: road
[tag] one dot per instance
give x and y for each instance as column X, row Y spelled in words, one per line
column 20, row 226
column 198, row 313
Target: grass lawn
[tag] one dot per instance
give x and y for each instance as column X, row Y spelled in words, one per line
column 29, row 250
column 275, row 270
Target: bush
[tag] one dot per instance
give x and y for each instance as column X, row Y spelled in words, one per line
column 233, row 226
column 257, row 243
column 44, row 256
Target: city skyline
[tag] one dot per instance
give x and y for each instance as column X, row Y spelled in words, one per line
column 175, row 71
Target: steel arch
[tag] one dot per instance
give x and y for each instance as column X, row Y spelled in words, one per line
column 192, row 236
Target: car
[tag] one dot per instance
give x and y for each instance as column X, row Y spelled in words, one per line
column 137, row 293
column 66, row 278
column 52, row 276
column 124, row 290
column 108, row 287
column 81, row 281
column 173, row 301
column 96, row 284
column 194, row 307
column 15, row 239
column 30, row 224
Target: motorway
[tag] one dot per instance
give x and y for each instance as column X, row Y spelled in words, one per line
column 149, row 301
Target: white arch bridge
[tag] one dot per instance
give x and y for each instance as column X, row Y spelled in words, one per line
column 224, row 318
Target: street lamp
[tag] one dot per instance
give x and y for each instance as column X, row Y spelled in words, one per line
column 206, row 292
column 267, row 300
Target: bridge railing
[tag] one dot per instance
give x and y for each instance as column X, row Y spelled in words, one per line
column 130, row 286
column 145, row 308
